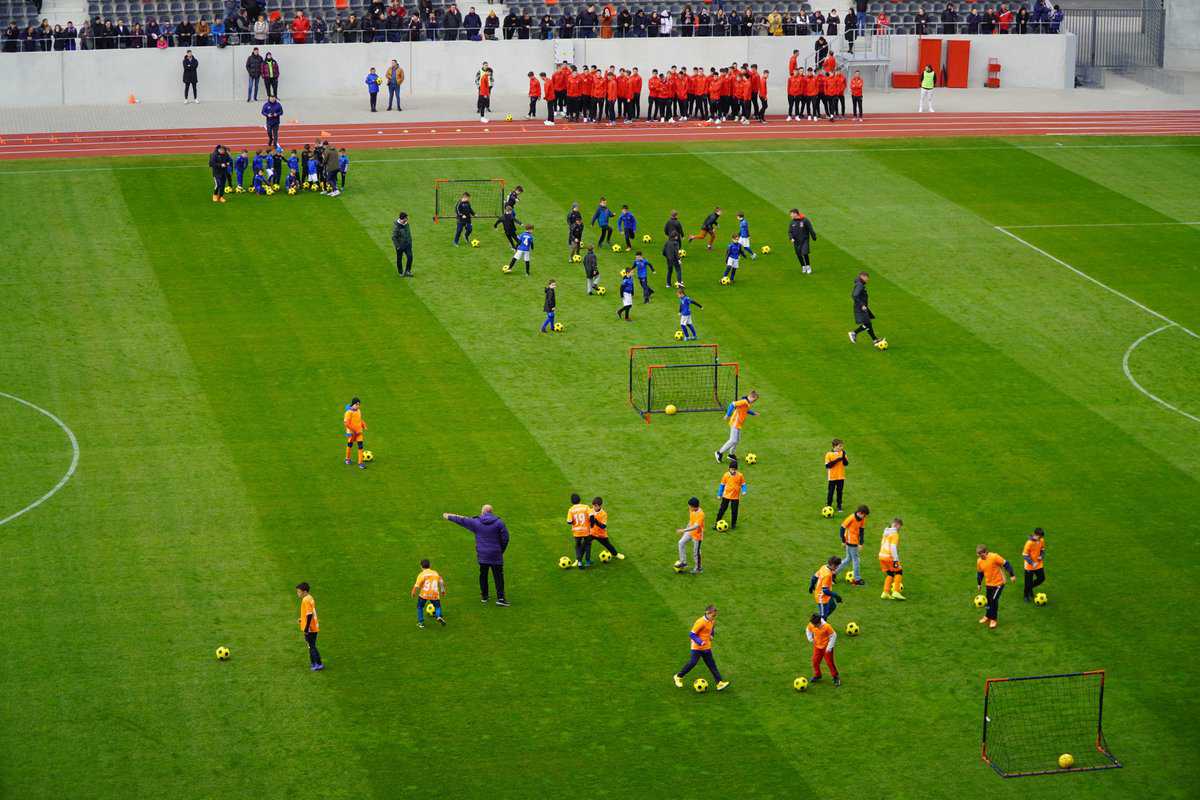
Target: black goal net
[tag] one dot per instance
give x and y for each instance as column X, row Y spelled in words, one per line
column 487, row 196
column 1045, row 724
column 690, row 377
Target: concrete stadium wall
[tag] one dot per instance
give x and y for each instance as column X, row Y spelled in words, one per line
column 1183, row 35
column 448, row 68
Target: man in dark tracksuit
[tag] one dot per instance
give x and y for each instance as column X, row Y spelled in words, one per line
column 273, row 111
column 670, row 252
column 329, row 160
column 800, row 232
column 673, row 229
column 220, row 163
column 462, row 215
column 862, row 309
column 402, row 241
column 510, row 222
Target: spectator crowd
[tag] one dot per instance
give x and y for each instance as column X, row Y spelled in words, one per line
column 248, row 22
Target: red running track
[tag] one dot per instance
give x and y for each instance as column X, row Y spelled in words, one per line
column 499, row 133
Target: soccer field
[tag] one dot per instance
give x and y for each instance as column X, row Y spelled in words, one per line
column 201, row 356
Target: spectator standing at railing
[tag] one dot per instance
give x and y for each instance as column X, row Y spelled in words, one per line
column 832, row 22
column 260, row 30
column 588, row 22
column 394, row 77
column 203, row 33
column 510, row 24
column 300, row 28
column 606, row 23
column 624, row 23
column 987, row 22
column 452, row 20
column 972, row 22
column 638, row 25
column 1023, row 20
column 1004, row 19
column 472, row 24
column 490, row 24
column 186, row 33
column 12, row 39
column 275, row 30
column 949, row 19
column 860, row 16
column 254, row 64
column 1056, row 18
column 546, row 28
column 921, row 21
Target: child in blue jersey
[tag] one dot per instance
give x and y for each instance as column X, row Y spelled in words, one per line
column 626, row 294
column 524, row 248
column 258, row 164
column 293, row 181
column 312, row 170
column 685, row 315
column 294, row 164
column 260, row 182
column 627, row 224
column 603, row 215
column 642, row 265
column 732, row 254
column 343, row 165
column 744, row 235
column 239, row 166
column 269, row 166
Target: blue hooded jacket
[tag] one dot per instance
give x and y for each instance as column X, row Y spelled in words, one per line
column 491, row 536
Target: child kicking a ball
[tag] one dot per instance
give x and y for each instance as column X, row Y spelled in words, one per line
column 693, row 532
column 685, row 314
column 626, row 295
column 429, row 589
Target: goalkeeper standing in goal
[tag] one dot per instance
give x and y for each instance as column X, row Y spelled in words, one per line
column 736, row 414
column 989, row 569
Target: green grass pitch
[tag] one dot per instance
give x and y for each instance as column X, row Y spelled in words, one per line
column 202, row 355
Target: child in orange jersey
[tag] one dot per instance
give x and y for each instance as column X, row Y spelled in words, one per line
column 821, row 587
column 355, row 427
column 428, row 588
column 835, row 472
column 309, row 625
column 733, row 485
column 701, row 636
column 693, row 532
column 988, row 566
column 579, row 518
column 889, row 561
column 853, row 533
column 598, row 520
column 823, row 638
column 1032, row 555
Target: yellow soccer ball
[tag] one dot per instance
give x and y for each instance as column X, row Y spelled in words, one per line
column 558, row 327
column 881, row 344
column 292, row 190
column 683, row 253
column 577, row 258
column 647, row 238
column 368, row 455
column 270, row 191
column 724, row 280
column 700, row 685
column 980, row 601
column 800, row 684
column 827, row 512
column 1066, row 761
column 238, row 190
column 429, row 608
column 1040, row 599
column 564, row 563
column 508, row 117
column 670, row 409
column 601, row 290
column 766, row 248
column 228, row 190
column 722, row 525
column 474, row 243
column 506, row 269
column 222, row 653
column 605, row 556
column 853, row 630
column 616, row 248
column 679, row 336
column 751, row 458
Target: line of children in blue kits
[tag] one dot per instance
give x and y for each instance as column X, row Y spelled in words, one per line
column 304, row 170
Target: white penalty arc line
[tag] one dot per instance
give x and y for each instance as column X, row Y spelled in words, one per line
column 1142, row 389
column 70, row 470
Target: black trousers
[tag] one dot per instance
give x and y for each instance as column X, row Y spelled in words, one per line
column 374, row 99
column 219, row 182
column 646, row 290
column 802, row 252
column 636, row 107
column 401, row 253
column 993, row 601
column 272, row 133
column 463, row 225
column 314, row 655
column 856, row 106
column 732, row 507
column 676, row 268
column 582, row 551
column 837, row 486
column 762, row 109
column 868, row 327
column 841, row 104
column 605, row 234
column 708, row 660
column 272, row 86
column 604, row 542
column 497, row 576
column 793, row 105
column 1033, row 579
column 186, row 85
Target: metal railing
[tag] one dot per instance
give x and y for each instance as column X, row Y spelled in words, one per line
column 1117, row 38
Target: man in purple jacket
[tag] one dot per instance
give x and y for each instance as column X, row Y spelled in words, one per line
column 491, row 540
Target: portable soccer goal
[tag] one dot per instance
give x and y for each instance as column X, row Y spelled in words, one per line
column 487, row 196
column 1030, row 723
column 690, row 377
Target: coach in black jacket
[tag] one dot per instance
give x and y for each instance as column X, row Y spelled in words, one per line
column 220, row 163
column 862, row 308
column 190, row 68
column 670, row 252
column 800, row 232
column 674, row 228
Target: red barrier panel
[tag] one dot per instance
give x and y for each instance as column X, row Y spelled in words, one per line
column 906, row 80
column 958, row 62
column 929, row 51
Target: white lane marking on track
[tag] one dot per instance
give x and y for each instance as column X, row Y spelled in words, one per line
column 1101, row 284
column 1142, row 389
column 653, row 154
column 70, row 470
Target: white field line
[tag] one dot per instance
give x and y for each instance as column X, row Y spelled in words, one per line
column 1096, row 225
column 70, row 470
column 1142, row 389
column 656, row 154
column 1101, row 284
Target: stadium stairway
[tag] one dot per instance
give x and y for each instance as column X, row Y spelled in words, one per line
column 59, row 12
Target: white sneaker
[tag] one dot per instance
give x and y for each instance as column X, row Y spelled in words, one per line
column 789, row 119
column 483, row 119
column 196, row 100
column 853, row 337
column 548, row 122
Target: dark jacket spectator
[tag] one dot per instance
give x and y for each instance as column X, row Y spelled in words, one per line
column 588, row 22
column 973, row 22
column 821, row 48
column 190, row 68
column 491, row 535
column 639, row 23
column 490, row 24
column 473, row 24
column 949, row 19
column 832, row 22
column 451, row 22
column 524, row 25
column 510, row 24
column 254, row 64
column 921, row 21
column 546, row 28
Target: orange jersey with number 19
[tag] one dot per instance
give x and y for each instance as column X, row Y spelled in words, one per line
column 578, row 515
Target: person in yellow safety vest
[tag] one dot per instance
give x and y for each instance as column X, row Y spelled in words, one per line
column 928, row 81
